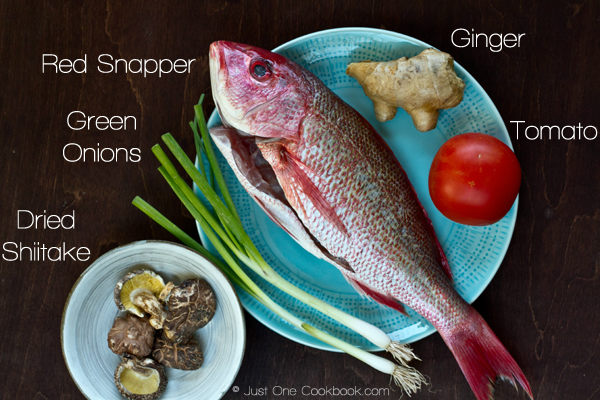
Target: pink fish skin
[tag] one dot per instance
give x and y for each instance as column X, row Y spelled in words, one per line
column 337, row 188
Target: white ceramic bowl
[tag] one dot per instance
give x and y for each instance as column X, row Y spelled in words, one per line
column 90, row 311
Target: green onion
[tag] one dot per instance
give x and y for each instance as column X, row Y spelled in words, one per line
column 406, row 377
column 255, row 260
column 223, row 228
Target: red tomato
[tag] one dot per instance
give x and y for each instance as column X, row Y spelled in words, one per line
column 474, row 179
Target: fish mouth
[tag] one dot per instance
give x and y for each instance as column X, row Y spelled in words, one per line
column 215, row 52
column 219, row 46
column 218, row 54
column 221, row 50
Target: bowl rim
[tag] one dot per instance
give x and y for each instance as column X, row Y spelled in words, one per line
column 151, row 242
column 494, row 111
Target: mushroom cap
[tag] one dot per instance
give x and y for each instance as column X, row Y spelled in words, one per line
column 186, row 356
column 140, row 379
column 143, row 280
column 131, row 334
column 191, row 305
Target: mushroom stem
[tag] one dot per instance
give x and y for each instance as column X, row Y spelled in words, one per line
column 164, row 294
column 150, row 304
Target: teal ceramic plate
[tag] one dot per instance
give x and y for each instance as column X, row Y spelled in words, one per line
column 475, row 253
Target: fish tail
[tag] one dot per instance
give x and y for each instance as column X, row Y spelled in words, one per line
column 482, row 358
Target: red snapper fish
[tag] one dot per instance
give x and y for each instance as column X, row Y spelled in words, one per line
column 323, row 174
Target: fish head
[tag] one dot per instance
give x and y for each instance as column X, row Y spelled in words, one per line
column 258, row 92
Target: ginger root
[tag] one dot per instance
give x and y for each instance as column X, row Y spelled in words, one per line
column 421, row 85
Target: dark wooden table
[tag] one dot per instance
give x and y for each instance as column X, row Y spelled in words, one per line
column 543, row 302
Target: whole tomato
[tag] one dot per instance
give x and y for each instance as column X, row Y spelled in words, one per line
column 474, row 179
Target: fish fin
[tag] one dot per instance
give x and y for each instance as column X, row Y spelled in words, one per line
column 275, row 218
column 259, row 180
column 481, row 356
column 298, row 176
column 442, row 255
column 339, row 261
column 300, row 235
column 381, row 298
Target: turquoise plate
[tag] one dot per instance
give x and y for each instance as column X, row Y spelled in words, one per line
column 474, row 253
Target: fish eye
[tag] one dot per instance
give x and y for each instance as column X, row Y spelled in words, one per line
column 260, row 69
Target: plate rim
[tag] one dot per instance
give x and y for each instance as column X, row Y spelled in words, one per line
column 512, row 222
column 237, row 301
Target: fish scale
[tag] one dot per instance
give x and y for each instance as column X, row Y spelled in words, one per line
column 351, row 169
column 347, row 198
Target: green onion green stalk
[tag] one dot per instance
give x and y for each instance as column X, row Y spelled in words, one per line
column 223, row 228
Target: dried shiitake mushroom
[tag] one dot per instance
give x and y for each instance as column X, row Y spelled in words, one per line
column 131, row 334
column 140, row 379
column 138, row 292
column 185, row 356
column 191, row 305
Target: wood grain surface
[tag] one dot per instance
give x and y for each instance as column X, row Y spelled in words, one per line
column 543, row 303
